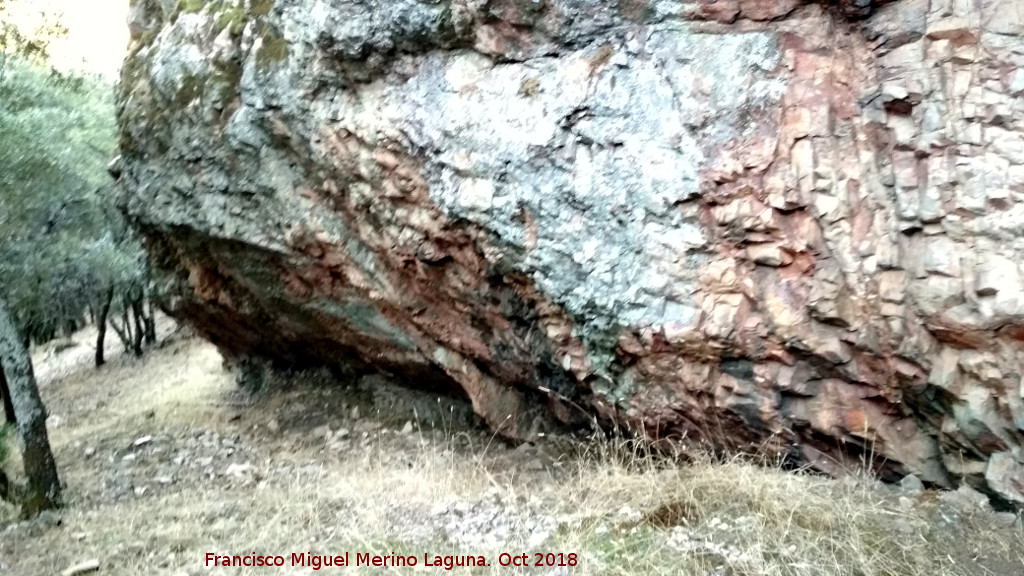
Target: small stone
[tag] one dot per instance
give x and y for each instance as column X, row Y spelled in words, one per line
column 965, row 498
column 90, row 451
column 903, row 527
column 408, row 428
column 273, row 425
column 85, row 567
column 534, row 465
column 140, row 490
column 322, row 432
column 142, row 441
column 912, row 484
column 1006, row 476
column 768, row 255
column 238, row 469
column 367, row 426
column 1005, row 519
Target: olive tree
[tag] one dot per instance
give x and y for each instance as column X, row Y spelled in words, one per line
column 43, row 491
column 65, row 254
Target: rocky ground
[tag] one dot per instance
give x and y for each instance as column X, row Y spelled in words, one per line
column 166, row 460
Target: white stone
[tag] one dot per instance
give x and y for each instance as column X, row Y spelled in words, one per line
column 1017, row 82
column 85, row 567
column 1005, row 475
column 238, row 469
column 476, row 194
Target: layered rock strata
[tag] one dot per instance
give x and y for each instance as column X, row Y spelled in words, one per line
column 785, row 227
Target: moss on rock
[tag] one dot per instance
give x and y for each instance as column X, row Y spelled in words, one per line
column 230, row 14
column 191, row 88
column 261, row 7
column 232, row 17
column 273, row 48
column 191, row 6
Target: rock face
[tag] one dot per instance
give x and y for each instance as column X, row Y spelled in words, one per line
column 786, row 227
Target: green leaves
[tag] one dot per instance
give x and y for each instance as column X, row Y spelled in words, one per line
column 61, row 241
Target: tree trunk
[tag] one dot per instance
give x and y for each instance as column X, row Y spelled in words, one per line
column 5, row 487
column 5, row 391
column 150, row 321
column 43, row 491
column 101, row 325
column 123, row 331
column 136, row 305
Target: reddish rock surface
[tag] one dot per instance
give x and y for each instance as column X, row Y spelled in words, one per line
column 789, row 228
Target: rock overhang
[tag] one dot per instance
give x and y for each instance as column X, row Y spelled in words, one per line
column 572, row 211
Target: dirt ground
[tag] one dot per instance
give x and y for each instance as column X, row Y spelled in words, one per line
column 166, row 462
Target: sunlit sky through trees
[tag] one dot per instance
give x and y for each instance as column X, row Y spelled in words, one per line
column 97, row 33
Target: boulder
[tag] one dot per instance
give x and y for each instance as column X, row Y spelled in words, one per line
column 712, row 223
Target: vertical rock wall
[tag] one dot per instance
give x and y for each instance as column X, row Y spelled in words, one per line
column 787, row 227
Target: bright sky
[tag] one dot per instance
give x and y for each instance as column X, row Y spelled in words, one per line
column 97, row 33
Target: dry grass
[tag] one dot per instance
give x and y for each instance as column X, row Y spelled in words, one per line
column 159, row 507
column 762, row 521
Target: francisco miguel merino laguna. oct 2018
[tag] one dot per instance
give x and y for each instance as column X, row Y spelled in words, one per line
column 347, row 559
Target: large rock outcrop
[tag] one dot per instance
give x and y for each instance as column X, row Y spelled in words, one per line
column 779, row 226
